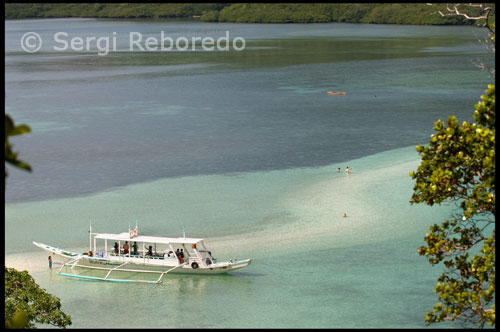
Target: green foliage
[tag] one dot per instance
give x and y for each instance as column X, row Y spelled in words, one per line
column 396, row 13
column 323, row 12
column 276, row 13
column 210, row 16
column 26, row 303
column 352, row 13
column 460, row 162
column 406, row 13
column 459, row 166
column 10, row 156
column 492, row 31
column 105, row 10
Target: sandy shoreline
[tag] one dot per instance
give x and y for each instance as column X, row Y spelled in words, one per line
column 262, row 212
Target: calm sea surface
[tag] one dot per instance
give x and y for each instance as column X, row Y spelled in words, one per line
column 239, row 148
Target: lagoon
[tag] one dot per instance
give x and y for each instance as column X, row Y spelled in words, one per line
column 240, row 148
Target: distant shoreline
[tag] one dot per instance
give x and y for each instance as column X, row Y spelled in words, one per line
column 188, row 19
column 266, row 13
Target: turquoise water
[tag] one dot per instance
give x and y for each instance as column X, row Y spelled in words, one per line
column 311, row 266
column 240, row 149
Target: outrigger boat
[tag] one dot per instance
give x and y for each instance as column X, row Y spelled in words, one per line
column 149, row 255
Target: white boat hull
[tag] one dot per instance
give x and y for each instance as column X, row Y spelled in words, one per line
column 139, row 264
column 56, row 251
column 216, row 268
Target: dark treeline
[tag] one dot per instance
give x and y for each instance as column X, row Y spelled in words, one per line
column 108, row 10
column 389, row 13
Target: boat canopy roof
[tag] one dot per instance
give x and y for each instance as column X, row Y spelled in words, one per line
column 148, row 239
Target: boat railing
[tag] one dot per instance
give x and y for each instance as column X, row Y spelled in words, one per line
column 142, row 256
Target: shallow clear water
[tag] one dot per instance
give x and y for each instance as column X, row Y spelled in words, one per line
column 240, row 149
column 311, row 266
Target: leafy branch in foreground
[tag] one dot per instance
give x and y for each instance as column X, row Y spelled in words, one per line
column 459, row 166
column 10, row 156
column 26, row 302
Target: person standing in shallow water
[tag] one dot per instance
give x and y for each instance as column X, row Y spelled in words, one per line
column 338, row 170
column 347, row 170
column 50, row 262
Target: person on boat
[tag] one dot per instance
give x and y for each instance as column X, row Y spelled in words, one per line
column 180, row 255
column 117, row 248
column 134, row 248
column 126, row 247
column 150, row 251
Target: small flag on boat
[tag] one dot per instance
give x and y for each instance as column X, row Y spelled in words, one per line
column 133, row 232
